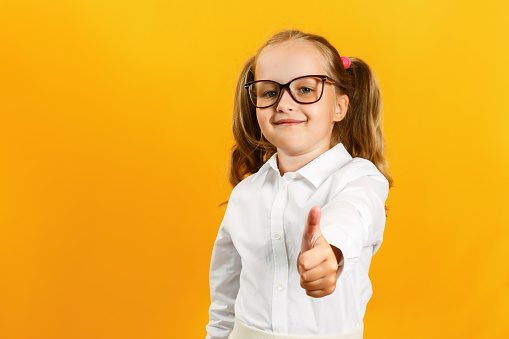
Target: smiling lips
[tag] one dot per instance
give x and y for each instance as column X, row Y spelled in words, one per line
column 288, row 122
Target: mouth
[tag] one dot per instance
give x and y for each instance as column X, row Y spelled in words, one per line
column 288, row 122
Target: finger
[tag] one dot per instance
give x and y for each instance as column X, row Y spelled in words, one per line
column 314, row 216
column 319, row 284
column 315, row 273
column 312, row 229
column 326, row 268
column 314, row 257
column 321, row 293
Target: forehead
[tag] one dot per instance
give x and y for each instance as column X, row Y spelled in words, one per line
column 289, row 60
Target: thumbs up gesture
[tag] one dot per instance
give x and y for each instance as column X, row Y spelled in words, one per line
column 317, row 262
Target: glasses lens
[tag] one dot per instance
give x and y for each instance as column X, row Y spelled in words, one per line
column 304, row 90
column 307, row 89
column 264, row 93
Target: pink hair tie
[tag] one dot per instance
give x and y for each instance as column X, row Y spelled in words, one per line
column 346, row 61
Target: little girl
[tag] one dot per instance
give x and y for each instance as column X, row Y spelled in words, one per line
column 307, row 211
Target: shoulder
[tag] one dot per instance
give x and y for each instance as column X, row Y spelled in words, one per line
column 361, row 167
column 359, row 183
column 248, row 186
column 355, row 170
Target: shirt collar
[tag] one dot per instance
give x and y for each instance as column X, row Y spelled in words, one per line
column 271, row 163
column 318, row 170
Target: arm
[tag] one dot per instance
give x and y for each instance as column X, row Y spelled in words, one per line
column 355, row 217
column 334, row 235
column 225, row 266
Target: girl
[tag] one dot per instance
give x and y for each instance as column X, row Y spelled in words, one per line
column 306, row 213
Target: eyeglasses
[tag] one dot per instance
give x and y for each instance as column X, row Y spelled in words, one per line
column 306, row 89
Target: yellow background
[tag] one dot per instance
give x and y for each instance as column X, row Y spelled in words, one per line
column 115, row 130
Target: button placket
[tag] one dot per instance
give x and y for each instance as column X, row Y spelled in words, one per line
column 279, row 292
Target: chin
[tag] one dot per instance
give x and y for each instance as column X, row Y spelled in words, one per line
column 290, row 149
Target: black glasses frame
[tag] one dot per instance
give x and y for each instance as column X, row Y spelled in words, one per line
column 247, row 85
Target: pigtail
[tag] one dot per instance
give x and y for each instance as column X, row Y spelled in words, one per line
column 361, row 129
column 251, row 149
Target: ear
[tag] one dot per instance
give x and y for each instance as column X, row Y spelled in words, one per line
column 341, row 107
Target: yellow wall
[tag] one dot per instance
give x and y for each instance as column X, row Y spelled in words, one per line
column 114, row 137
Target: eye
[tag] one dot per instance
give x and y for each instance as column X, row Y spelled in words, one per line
column 270, row 94
column 305, row 90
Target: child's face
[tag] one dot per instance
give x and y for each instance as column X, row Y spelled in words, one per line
column 309, row 126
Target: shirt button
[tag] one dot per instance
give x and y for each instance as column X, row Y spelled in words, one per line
column 282, row 186
column 294, row 175
column 280, row 287
column 278, row 236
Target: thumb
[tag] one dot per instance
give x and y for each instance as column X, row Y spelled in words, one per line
column 312, row 229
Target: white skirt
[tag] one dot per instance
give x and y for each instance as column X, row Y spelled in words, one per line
column 243, row 331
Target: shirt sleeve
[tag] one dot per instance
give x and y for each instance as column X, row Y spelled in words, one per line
column 355, row 217
column 224, row 276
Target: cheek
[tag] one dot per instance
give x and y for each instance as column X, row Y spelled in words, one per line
column 263, row 119
column 321, row 117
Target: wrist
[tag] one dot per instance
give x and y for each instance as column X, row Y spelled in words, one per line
column 339, row 255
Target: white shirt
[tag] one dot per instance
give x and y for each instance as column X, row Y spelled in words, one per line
column 253, row 270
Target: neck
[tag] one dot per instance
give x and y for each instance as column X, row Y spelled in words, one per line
column 291, row 162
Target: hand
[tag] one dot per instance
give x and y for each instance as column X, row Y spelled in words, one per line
column 317, row 263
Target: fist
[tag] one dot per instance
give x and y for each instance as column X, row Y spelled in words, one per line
column 317, row 262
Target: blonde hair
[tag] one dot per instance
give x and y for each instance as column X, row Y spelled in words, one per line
column 360, row 131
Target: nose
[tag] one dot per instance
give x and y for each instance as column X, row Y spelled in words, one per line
column 285, row 101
